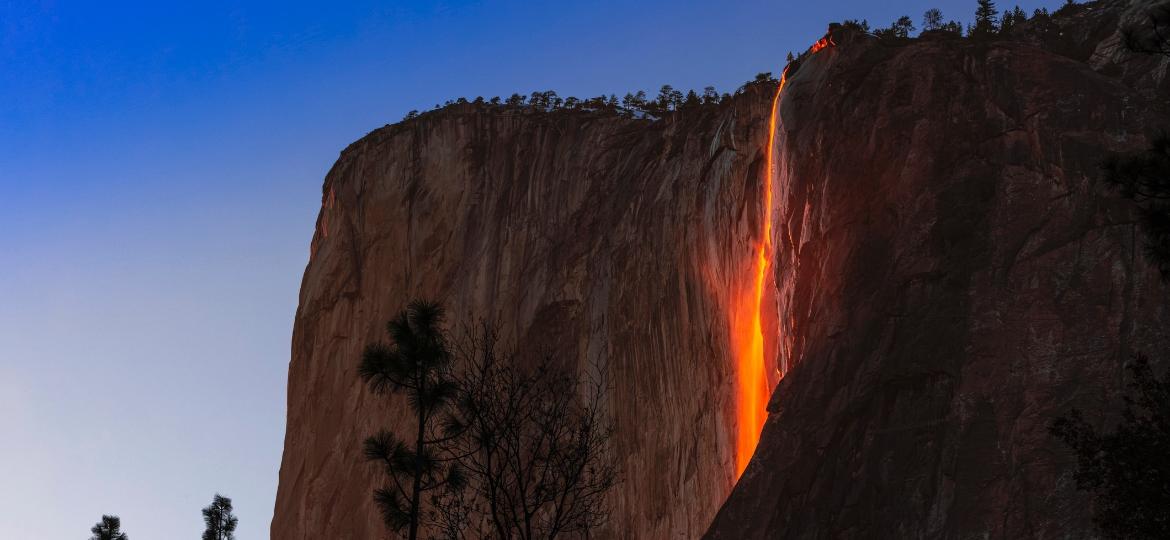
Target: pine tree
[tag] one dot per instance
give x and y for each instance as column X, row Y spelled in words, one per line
column 900, row 29
column 221, row 524
column 418, row 366
column 1011, row 19
column 710, row 96
column 985, row 17
column 109, row 528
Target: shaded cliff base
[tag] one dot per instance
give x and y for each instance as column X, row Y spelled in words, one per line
column 954, row 275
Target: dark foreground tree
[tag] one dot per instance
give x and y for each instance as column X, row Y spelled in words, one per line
column 219, row 520
column 536, row 449
column 109, row 528
column 416, row 365
column 1127, row 470
column 1145, row 177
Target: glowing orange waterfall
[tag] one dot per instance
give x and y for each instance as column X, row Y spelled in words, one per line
column 747, row 326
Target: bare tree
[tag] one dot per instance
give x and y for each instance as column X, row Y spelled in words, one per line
column 932, row 20
column 535, row 449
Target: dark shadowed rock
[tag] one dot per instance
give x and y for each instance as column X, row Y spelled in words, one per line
column 953, row 276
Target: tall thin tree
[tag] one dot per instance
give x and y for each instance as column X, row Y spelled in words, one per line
column 985, row 19
column 221, row 523
column 417, row 365
column 932, row 20
column 109, row 528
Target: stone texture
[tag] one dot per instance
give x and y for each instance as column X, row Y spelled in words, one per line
column 953, row 275
column 950, row 274
column 609, row 239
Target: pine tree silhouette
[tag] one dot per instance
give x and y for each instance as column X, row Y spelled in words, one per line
column 109, row 528
column 416, row 365
column 221, row 524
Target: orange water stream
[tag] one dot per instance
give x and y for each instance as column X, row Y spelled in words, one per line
column 747, row 326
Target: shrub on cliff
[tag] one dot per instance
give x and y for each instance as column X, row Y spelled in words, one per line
column 854, row 24
column 900, row 29
column 1127, row 470
column 932, row 21
column 1145, row 179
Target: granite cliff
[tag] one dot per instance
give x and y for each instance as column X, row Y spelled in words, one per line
column 610, row 239
column 953, row 275
column 945, row 272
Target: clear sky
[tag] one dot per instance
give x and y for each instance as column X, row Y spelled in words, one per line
column 160, row 169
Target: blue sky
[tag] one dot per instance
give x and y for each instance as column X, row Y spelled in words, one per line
column 160, row 169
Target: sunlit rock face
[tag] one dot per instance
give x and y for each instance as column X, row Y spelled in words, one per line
column 607, row 239
column 952, row 275
column 946, row 273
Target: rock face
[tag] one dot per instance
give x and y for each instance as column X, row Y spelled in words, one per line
column 611, row 240
column 953, row 276
column 949, row 274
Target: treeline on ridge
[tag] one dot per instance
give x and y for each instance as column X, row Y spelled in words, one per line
column 988, row 23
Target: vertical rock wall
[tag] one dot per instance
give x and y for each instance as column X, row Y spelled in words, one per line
column 609, row 239
column 953, row 275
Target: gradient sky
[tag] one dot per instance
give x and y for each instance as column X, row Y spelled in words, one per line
column 160, row 170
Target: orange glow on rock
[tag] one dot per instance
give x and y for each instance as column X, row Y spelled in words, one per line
column 747, row 326
column 753, row 383
column 822, row 43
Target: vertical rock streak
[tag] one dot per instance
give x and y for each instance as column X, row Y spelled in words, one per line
column 748, row 332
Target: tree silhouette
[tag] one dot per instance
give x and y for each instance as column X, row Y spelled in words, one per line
column 669, row 99
column 1127, row 470
column 985, row 16
column 710, row 96
column 900, row 29
column 416, row 365
column 861, row 26
column 219, row 521
column 932, row 20
column 1145, row 177
column 109, row 528
column 536, row 449
column 1011, row 19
